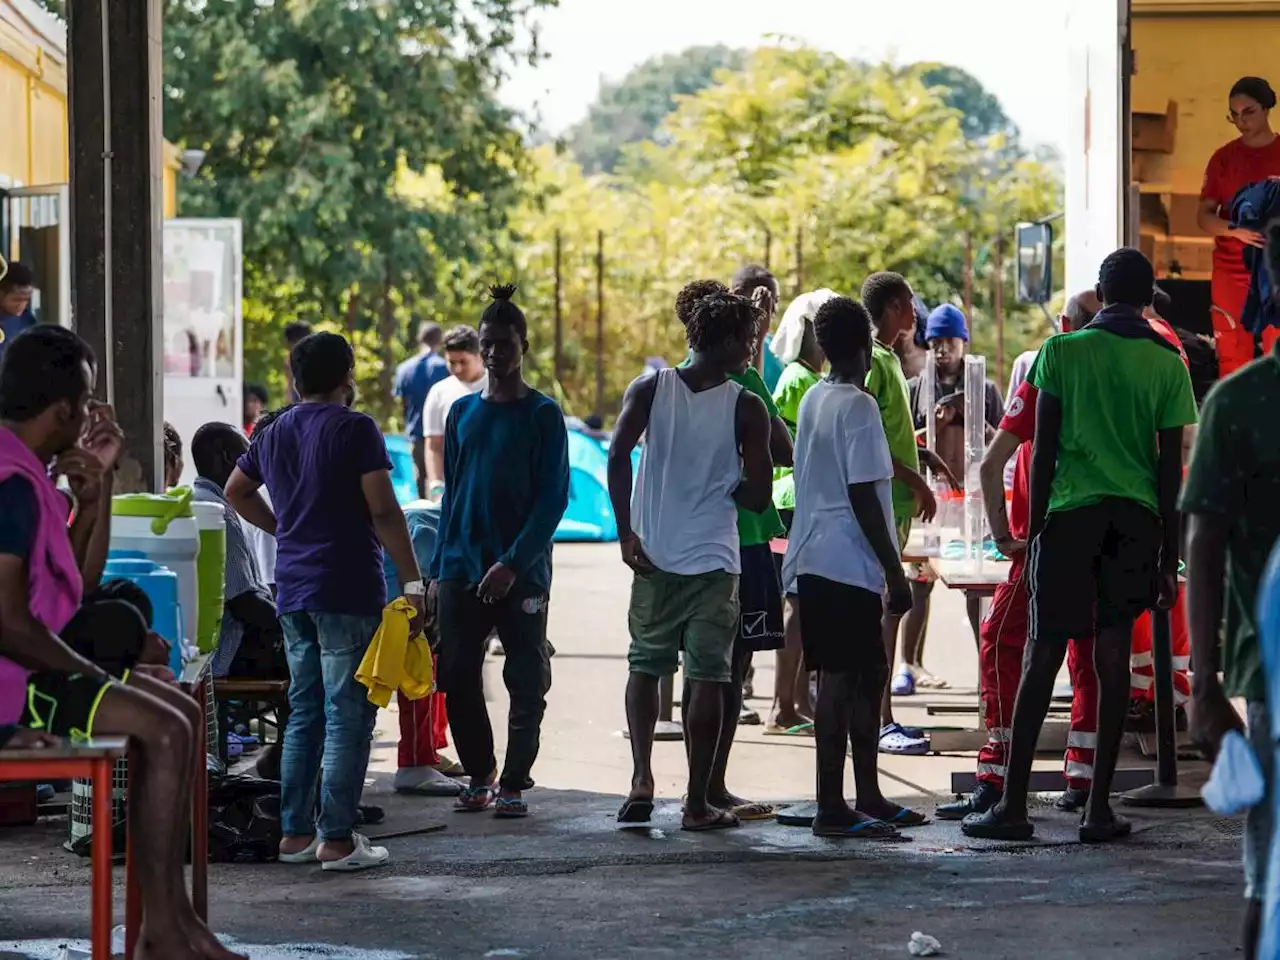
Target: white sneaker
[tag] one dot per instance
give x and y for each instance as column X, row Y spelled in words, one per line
column 425, row 782
column 364, row 857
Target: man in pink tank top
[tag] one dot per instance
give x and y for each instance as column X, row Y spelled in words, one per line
column 706, row 453
column 49, row 427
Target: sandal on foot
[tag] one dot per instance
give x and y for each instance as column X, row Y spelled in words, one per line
column 723, row 820
column 636, row 810
column 747, row 812
column 363, row 857
column 450, row 767
column 1117, row 828
column 804, row 729
column 306, row 855
column 894, row 739
column 510, row 808
column 859, row 830
column 476, row 799
column 903, row 684
column 987, row 826
column 903, row 817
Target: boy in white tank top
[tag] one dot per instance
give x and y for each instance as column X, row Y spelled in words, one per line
column 706, row 452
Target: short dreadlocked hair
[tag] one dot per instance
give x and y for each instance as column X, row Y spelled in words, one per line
column 691, row 293
column 843, row 329
column 720, row 319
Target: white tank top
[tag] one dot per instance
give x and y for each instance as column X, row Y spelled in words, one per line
column 682, row 507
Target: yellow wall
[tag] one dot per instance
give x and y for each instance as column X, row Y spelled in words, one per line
column 34, row 150
column 1192, row 56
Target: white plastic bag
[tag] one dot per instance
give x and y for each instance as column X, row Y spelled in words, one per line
column 1236, row 782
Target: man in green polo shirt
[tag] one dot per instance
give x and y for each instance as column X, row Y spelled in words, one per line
column 1230, row 501
column 759, row 590
column 888, row 298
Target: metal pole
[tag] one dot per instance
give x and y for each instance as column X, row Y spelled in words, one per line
column 559, row 318
column 600, row 323
column 1166, row 791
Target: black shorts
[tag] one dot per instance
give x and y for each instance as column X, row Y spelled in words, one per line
column 840, row 626
column 63, row 704
column 760, row 600
column 1092, row 568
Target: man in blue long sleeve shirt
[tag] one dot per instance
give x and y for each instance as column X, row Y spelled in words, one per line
column 506, row 467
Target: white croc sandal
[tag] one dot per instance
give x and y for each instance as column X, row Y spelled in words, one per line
column 364, row 857
column 306, row 855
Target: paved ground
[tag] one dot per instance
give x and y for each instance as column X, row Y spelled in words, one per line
column 569, row 883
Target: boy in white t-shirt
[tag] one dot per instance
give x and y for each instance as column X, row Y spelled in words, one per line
column 462, row 352
column 841, row 555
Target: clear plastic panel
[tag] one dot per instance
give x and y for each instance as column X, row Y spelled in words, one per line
column 975, row 445
column 932, row 530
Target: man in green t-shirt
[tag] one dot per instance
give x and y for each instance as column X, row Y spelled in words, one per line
column 1106, row 463
column 759, row 590
column 1230, row 500
column 889, row 300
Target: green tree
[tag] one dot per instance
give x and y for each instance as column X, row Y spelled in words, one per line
column 982, row 114
column 824, row 169
column 361, row 143
column 631, row 110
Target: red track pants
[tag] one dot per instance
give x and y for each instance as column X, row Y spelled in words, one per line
column 424, row 729
column 1003, row 640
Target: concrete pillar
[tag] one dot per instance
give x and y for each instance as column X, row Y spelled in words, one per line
column 117, row 209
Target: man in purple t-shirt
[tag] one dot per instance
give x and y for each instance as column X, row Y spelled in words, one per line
column 327, row 472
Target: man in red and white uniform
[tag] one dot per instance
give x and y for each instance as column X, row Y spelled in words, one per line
column 1004, row 631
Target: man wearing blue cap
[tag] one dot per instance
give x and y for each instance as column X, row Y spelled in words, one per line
column 947, row 336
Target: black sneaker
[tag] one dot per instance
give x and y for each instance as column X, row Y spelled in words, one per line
column 984, row 797
column 1073, row 799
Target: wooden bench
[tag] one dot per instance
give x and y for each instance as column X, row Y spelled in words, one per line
column 274, row 693
column 94, row 761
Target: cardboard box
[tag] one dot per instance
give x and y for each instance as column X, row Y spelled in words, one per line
column 1182, row 209
column 1191, row 256
column 1147, row 244
column 1156, row 131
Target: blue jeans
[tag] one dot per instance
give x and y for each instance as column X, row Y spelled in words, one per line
column 330, row 723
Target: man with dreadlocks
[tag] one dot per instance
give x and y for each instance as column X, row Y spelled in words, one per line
column 706, row 453
column 506, row 486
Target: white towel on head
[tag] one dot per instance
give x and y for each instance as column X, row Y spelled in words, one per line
column 790, row 333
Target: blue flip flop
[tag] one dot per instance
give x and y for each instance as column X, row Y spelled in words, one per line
column 862, row 830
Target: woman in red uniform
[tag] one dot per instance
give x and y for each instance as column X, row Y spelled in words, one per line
column 1253, row 156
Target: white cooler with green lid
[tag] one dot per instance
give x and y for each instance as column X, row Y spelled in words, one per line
column 163, row 528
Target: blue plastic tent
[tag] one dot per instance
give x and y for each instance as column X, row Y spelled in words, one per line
column 403, row 476
column 590, row 515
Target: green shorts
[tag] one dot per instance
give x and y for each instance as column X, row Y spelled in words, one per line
column 63, row 704
column 697, row 613
column 904, row 534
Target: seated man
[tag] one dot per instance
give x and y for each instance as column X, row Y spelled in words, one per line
column 46, row 380
column 251, row 640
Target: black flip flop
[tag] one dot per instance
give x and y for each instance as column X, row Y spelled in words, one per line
column 636, row 811
column 1118, row 828
column 986, row 826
